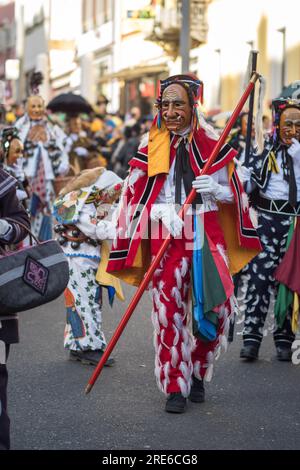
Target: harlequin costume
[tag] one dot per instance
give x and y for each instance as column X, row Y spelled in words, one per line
column 275, row 178
column 229, row 234
column 81, row 212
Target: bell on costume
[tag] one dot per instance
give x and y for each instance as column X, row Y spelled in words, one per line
column 62, row 241
column 75, row 245
column 58, row 228
column 75, row 233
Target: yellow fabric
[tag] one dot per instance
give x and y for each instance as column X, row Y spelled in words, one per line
column 158, row 150
column 295, row 314
column 228, row 215
column 134, row 275
column 237, row 255
column 272, row 163
column 107, row 279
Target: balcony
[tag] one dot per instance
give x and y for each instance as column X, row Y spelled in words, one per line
column 167, row 26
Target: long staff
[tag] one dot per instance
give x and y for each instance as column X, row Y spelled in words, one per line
column 254, row 55
column 148, row 276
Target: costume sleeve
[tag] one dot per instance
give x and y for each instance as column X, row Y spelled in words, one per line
column 60, row 137
column 12, row 208
column 88, row 221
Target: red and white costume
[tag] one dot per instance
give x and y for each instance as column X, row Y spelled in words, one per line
column 178, row 353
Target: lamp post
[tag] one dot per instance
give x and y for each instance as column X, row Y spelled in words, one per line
column 185, row 36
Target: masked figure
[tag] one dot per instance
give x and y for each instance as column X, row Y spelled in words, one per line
column 276, row 179
column 45, row 159
column 214, row 240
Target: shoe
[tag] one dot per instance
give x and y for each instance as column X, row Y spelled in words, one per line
column 284, row 354
column 91, row 357
column 197, row 394
column 176, row 403
column 249, row 352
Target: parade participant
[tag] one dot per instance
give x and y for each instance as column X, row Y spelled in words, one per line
column 76, row 144
column 12, row 161
column 83, row 151
column 276, row 178
column 10, row 233
column 81, row 210
column 45, row 159
column 164, row 170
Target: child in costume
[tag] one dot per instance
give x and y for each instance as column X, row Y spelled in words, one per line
column 81, row 211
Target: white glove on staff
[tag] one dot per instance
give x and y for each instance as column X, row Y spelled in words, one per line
column 294, row 149
column 167, row 214
column 245, row 174
column 4, row 227
column 207, row 185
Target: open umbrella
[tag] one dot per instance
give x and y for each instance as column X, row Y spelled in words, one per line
column 291, row 91
column 69, row 103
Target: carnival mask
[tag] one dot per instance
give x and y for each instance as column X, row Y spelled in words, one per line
column 289, row 125
column 15, row 152
column 35, row 108
column 175, row 108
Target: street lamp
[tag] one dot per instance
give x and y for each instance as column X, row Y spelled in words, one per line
column 185, row 36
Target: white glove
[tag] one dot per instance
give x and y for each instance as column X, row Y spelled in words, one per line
column 63, row 168
column 245, row 174
column 207, row 185
column 167, row 214
column 105, row 230
column 4, row 227
column 294, row 149
column 81, row 151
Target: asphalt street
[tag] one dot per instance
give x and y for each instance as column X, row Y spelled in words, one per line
column 248, row 406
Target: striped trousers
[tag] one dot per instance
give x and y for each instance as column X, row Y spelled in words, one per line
column 257, row 285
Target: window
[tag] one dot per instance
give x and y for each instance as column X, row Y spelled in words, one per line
column 88, row 15
column 103, row 11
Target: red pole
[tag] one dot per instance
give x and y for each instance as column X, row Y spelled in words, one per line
column 164, row 246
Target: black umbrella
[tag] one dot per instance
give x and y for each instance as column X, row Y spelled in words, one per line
column 291, row 91
column 70, row 103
